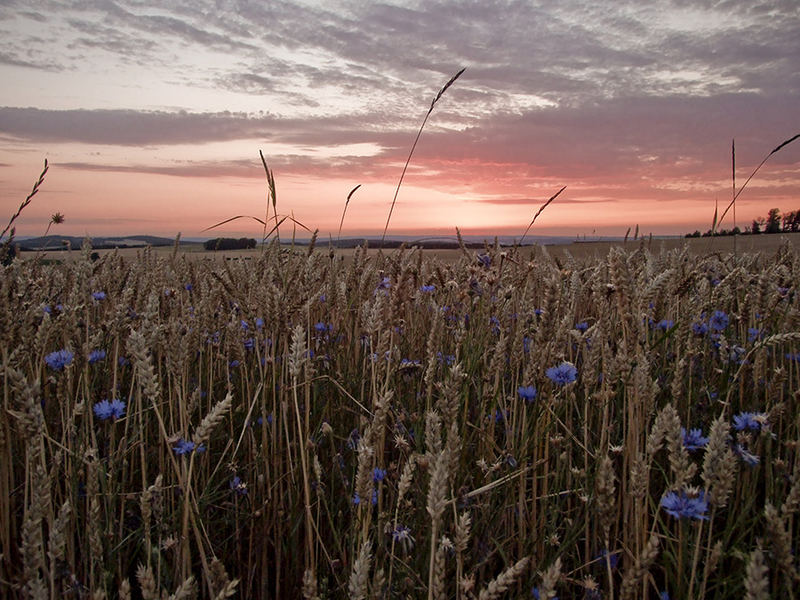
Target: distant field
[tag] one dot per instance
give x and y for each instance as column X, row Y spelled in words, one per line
column 579, row 250
column 621, row 425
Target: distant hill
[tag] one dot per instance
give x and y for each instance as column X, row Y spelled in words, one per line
column 430, row 243
column 59, row 242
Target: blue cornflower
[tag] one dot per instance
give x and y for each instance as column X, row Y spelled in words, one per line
column 122, row 361
column 500, row 415
column 374, row 497
column 664, row 595
column 682, row 505
column 495, row 323
column 718, row 320
column 384, row 285
column 795, row 357
column 748, row 420
column 562, row 374
column 737, row 354
column 98, row 296
column 402, row 536
column 323, row 327
column 665, row 324
column 188, row 287
column 527, row 392
column 447, row 359
column 249, row 343
column 46, row 308
column 747, row 457
column 353, row 439
column 96, row 356
column 582, row 326
column 114, row 409
column 526, row 344
column 753, row 334
column 259, row 322
column 59, row 359
column 407, row 363
column 693, row 439
column 186, row 447
column 535, row 593
column 427, row 288
column 613, row 557
column 234, row 363
column 485, row 260
column 243, row 324
column 699, row 328
column 378, row 474
column 356, row 499
column 238, row 486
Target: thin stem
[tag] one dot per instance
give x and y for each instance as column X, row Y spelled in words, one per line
column 410, row 154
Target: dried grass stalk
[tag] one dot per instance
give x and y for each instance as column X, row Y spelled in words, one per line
column 756, row 581
column 507, row 578
column 359, row 578
column 636, row 574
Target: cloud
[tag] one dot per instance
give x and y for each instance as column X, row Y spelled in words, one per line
column 188, row 169
column 128, row 127
column 575, row 93
column 537, row 202
column 16, row 59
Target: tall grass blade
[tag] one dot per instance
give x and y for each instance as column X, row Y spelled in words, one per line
column 410, row 154
column 540, row 211
column 761, row 164
column 346, row 202
column 6, row 246
column 271, row 194
column 233, row 219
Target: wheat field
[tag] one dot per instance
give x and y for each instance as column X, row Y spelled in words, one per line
column 507, row 423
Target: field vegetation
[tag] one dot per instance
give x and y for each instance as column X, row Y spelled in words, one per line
column 345, row 424
column 392, row 425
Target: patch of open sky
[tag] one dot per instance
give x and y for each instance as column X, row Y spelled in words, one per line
column 693, row 82
column 238, row 150
column 699, row 20
column 689, row 185
column 523, row 103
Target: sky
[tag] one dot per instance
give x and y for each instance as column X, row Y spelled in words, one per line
column 152, row 114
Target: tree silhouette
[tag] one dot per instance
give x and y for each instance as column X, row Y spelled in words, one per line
column 773, row 221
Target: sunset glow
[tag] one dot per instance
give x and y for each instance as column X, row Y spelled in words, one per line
column 152, row 114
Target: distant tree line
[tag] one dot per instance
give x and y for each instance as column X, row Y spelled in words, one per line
column 230, row 244
column 774, row 222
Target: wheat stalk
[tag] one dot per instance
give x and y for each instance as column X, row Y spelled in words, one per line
column 414, row 145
